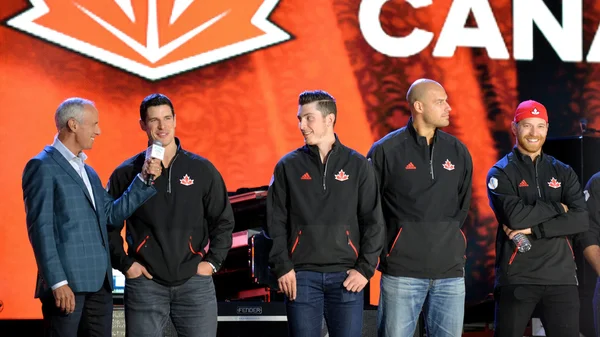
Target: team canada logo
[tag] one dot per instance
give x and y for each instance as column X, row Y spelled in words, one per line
column 341, row 176
column 448, row 165
column 535, row 111
column 554, row 183
column 186, row 181
column 150, row 38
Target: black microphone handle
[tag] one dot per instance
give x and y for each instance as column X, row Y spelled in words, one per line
column 149, row 180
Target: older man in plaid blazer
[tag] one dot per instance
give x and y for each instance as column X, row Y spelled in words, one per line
column 67, row 214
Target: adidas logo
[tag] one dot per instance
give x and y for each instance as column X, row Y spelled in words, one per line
column 411, row 166
column 523, row 184
column 306, row 176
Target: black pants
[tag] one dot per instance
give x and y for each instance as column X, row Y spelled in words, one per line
column 559, row 309
column 92, row 316
column 596, row 306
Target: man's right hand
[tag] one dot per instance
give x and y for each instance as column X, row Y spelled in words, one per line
column 565, row 207
column 64, row 299
column 136, row 270
column 152, row 166
column 287, row 284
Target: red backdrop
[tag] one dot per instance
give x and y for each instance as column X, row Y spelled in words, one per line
column 240, row 112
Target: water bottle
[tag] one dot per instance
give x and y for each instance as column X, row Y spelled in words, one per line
column 522, row 242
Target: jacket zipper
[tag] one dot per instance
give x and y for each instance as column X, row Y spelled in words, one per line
column 512, row 257
column 464, row 238
column 142, row 244
column 431, row 162
column 394, row 244
column 192, row 248
column 296, row 242
column 351, row 244
column 170, row 171
column 571, row 248
column 325, row 171
column 537, row 183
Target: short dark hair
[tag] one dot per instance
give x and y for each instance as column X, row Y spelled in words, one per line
column 325, row 102
column 154, row 100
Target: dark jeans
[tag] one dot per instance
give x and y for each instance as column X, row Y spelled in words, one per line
column 92, row 316
column 319, row 294
column 192, row 307
column 559, row 309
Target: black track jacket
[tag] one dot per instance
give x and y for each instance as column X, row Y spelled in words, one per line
column 524, row 194
column 324, row 217
column 426, row 194
column 169, row 233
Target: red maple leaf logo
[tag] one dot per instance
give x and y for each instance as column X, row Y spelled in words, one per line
column 153, row 38
column 448, row 165
column 341, row 176
column 554, row 183
column 186, row 181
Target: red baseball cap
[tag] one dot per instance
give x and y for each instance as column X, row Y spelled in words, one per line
column 530, row 109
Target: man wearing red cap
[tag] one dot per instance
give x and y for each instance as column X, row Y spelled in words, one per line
column 534, row 194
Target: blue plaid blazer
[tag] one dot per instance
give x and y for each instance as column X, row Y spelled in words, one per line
column 69, row 237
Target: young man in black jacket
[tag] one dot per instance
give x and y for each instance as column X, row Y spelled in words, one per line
column 424, row 177
column 534, row 194
column 324, row 217
column 168, row 271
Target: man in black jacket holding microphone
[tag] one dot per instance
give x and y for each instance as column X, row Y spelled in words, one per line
column 168, row 268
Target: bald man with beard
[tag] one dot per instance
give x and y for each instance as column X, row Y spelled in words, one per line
column 424, row 175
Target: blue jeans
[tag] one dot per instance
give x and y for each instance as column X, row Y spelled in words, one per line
column 192, row 307
column 401, row 301
column 319, row 294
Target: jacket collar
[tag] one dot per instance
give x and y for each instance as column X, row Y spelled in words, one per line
column 420, row 140
column 314, row 150
column 177, row 142
column 525, row 158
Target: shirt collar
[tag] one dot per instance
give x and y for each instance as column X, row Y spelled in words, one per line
column 66, row 152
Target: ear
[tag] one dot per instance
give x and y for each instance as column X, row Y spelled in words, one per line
column 330, row 119
column 418, row 106
column 514, row 128
column 72, row 124
column 142, row 125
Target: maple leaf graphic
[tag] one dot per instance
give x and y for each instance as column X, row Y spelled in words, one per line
column 186, row 181
column 448, row 165
column 341, row 176
column 554, row 183
column 154, row 39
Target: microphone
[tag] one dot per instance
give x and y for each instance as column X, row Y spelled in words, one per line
column 157, row 151
column 583, row 125
column 584, row 128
